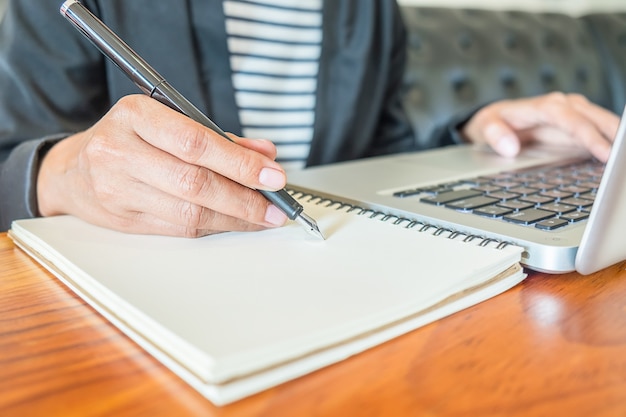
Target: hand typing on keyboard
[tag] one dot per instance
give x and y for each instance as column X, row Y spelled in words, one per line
column 556, row 118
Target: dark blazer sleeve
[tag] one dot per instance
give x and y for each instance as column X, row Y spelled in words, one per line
column 45, row 90
column 394, row 133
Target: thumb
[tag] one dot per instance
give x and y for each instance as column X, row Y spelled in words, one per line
column 501, row 138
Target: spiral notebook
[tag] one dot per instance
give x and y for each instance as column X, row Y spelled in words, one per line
column 236, row 313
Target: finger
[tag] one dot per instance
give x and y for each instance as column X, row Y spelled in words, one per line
column 263, row 146
column 580, row 126
column 171, row 216
column 152, row 211
column 487, row 127
column 189, row 183
column 224, row 212
column 502, row 138
column 558, row 112
column 191, row 142
column 605, row 121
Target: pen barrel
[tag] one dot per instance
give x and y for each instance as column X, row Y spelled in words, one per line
column 284, row 201
column 169, row 96
column 103, row 38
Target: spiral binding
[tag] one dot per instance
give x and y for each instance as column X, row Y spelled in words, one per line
column 385, row 217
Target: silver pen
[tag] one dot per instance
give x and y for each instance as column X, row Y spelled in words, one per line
column 155, row 86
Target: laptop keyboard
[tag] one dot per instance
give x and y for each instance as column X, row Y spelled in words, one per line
column 548, row 197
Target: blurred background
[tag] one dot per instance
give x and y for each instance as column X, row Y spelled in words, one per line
column 574, row 7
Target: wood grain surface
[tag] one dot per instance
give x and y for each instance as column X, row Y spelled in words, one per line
column 552, row 346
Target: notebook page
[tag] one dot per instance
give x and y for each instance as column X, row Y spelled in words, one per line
column 231, row 304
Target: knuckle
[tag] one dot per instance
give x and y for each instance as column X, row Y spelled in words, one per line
column 193, row 180
column 250, row 209
column 126, row 102
column 556, row 96
column 253, row 208
column 247, row 167
column 124, row 107
column 95, row 164
column 553, row 103
column 97, row 148
column 191, row 216
column 192, row 144
column 578, row 99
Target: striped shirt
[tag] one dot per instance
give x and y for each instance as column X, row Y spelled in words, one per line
column 275, row 48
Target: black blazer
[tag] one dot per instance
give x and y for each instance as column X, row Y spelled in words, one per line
column 53, row 82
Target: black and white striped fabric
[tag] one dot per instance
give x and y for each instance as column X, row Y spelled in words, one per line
column 274, row 50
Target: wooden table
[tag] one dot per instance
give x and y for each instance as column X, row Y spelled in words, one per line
column 552, row 346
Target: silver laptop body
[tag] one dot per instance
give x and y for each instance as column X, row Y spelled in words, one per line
column 586, row 245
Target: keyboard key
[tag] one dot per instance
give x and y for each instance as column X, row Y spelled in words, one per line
column 551, row 224
column 516, row 204
column 450, row 196
column 528, row 216
column 539, row 185
column 577, row 202
column 472, row 203
column 503, row 195
column 507, row 184
column 524, row 191
column 575, row 216
column 593, row 185
column 556, row 193
column 557, row 208
column 560, row 180
column 589, row 196
column 537, row 199
column 436, row 189
column 576, row 190
column 487, row 188
column 492, row 211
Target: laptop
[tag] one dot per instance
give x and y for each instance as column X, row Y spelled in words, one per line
column 567, row 210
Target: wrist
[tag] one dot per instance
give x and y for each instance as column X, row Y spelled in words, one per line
column 52, row 174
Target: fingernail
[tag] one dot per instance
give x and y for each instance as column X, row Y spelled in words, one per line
column 507, row 146
column 272, row 178
column 274, row 216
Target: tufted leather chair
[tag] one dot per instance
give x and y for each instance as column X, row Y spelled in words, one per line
column 459, row 59
column 609, row 32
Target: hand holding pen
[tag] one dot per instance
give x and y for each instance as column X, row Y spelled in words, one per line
column 145, row 168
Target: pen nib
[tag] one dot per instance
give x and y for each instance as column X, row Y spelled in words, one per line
column 310, row 225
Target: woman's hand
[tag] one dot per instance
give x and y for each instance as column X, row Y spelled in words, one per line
column 144, row 168
column 555, row 118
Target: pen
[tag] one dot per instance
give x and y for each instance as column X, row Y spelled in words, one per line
column 155, row 86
